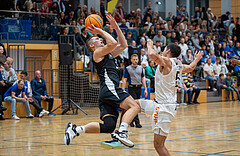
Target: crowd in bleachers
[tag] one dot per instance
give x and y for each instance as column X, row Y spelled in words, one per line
column 217, row 37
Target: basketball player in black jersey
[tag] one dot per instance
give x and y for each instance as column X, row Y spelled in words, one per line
column 111, row 97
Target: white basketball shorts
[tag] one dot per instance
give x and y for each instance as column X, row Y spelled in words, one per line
column 162, row 115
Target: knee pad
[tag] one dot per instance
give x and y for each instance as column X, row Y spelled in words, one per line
column 109, row 124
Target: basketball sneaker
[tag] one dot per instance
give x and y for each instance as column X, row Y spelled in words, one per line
column 112, row 145
column 70, row 133
column 123, row 138
column 43, row 112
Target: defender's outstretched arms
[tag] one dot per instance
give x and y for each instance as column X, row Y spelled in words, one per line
column 153, row 55
column 121, row 38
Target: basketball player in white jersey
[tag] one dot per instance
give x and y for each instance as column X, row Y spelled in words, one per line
column 167, row 76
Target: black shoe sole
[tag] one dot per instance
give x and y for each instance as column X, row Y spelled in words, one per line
column 67, row 138
column 116, row 139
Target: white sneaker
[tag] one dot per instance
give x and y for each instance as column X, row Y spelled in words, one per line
column 123, row 138
column 214, row 89
column 42, row 113
column 15, row 117
column 183, row 103
column 70, row 133
column 30, row 116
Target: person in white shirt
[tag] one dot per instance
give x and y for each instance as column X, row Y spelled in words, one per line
column 143, row 57
column 209, row 74
column 183, row 47
column 157, row 47
column 167, row 76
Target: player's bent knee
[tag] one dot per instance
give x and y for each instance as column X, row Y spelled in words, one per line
column 109, row 124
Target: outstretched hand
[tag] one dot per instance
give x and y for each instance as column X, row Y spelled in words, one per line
column 198, row 55
column 112, row 21
column 94, row 30
column 149, row 43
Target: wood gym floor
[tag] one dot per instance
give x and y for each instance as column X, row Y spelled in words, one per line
column 205, row 129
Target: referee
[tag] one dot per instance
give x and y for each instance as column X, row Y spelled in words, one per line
column 136, row 79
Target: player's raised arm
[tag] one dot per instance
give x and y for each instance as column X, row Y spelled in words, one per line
column 153, row 55
column 111, row 43
column 121, row 38
column 192, row 66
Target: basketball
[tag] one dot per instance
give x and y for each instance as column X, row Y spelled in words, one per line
column 94, row 19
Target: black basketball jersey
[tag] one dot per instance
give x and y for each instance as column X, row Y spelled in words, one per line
column 107, row 70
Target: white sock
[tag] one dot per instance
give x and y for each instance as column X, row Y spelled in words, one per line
column 123, row 127
column 80, row 129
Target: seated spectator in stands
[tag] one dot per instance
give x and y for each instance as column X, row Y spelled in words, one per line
column 236, row 49
column 54, row 8
column 119, row 13
column 192, row 88
column 28, row 93
column 45, row 34
column 217, row 67
column 129, row 37
column 212, row 56
column 203, row 48
column 183, row 47
column 157, row 47
column 44, row 8
column 3, row 58
column 174, row 37
column 142, row 35
column 78, row 37
column 142, row 44
column 11, row 96
column 209, row 74
column 150, row 74
column 221, row 84
column 123, row 26
column 168, row 38
column 2, row 84
column 183, row 90
column 188, row 58
column 49, row 2
column 143, row 56
column 159, row 37
column 62, row 20
column 84, row 34
column 39, row 91
column 151, row 33
column 9, row 75
column 230, row 83
column 237, row 73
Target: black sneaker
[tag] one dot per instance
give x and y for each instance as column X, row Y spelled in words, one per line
column 196, row 102
column 2, row 108
column 138, row 125
column 123, row 138
column 131, row 124
column 1, row 117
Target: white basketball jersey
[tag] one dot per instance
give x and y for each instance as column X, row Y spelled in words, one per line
column 166, row 85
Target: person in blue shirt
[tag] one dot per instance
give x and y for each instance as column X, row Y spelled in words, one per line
column 2, row 84
column 237, row 73
column 11, row 96
column 236, row 49
column 39, row 91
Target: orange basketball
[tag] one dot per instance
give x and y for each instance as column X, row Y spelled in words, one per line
column 94, row 19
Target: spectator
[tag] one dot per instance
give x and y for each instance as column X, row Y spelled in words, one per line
column 2, row 84
column 139, row 18
column 169, row 17
column 129, row 37
column 184, row 12
column 183, row 47
column 168, row 38
column 230, row 83
column 148, row 81
column 142, row 44
column 197, row 14
column 226, row 18
column 157, row 47
column 9, row 75
column 44, row 8
column 39, row 91
column 119, row 13
column 62, row 19
column 12, row 96
column 61, row 6
column 2, row 56
column 84, row 34
column 123, row 26
column 48, row 2
column 143, row 57
column 177, row 20
column 77, row 11
column 191, row 88
column 151, row 33
column 188, row 58
column 195, row 40
column 54, row 8
column 217, row 68
column 148, row 14
column 150, row 74
column 209, row 75
column 236, row 49
column 20, row 5
column 212, row 56
column 160, row 37
column 221, row 84
column 68, row 7
column 136, row 79
column 182, row 89
column 231, row 27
